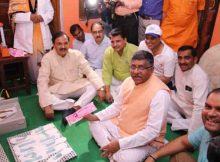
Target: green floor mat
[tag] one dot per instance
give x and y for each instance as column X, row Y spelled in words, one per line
column 78, row 135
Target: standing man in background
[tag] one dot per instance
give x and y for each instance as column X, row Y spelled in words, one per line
column 32, row 33
column 125, row 16
column 149, row 13
column 180, row 22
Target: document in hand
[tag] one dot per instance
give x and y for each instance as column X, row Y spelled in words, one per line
column 79, row 114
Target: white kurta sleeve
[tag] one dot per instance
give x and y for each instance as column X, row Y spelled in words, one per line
column 153, row 125
column 111, row 111
column 200, row 92
column 23, row 17
column 42, row 83
column 86, row 69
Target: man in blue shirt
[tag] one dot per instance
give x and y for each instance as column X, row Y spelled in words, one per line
column 149, row 13
column 198, row 139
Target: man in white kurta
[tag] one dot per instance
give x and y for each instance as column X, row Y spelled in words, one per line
column 142, row 97
column 61, row 76
column 192, row 86
column 23, row 37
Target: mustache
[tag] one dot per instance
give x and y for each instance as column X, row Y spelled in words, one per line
column 63, row 49
column 182, row 64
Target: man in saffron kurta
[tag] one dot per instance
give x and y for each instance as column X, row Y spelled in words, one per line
column 130, row 129
column 180, row 22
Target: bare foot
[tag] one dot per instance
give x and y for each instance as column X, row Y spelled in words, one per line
column 49, row 112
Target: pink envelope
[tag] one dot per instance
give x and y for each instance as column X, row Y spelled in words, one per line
column 79, row 114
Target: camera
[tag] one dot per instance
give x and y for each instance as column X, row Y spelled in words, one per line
column 111, row 4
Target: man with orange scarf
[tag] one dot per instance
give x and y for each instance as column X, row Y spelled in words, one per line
column 32, row 33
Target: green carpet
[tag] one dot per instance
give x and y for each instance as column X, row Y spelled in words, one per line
column 78, row 135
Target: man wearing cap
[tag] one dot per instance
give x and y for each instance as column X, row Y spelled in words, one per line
column 164, row 56
column 149, row 13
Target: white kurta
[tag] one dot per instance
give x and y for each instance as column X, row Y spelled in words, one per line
column 24, row 27
column 189, row 99
column 63, row 75
column 135, row 147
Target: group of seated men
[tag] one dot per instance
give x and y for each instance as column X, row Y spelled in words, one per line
column 137, row 81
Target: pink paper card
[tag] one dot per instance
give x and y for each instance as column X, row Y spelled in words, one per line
column 79, row 114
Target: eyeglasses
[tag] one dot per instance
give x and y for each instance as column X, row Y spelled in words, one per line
column 97, row 32
column 139, row 68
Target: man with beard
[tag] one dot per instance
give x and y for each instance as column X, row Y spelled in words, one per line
column 130, row 129
column 164, row 56
column 198, row 139
column 79, row 36
column 192, row 85
column 116, row 63
column 61, row 76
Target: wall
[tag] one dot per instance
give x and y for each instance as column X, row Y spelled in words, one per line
column 71, row 16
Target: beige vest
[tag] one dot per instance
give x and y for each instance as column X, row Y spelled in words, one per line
column 136, row 105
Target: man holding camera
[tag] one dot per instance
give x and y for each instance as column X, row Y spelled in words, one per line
column 125, row 17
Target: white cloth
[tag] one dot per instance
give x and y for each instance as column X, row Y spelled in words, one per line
column 209, row 62
column 164, row 63
column 115, row 87
column 63, row 102
column 135, row 147
column 94, row 52
column 63, row 75
column 77, row 44
column 24, row 27
column 189, row 100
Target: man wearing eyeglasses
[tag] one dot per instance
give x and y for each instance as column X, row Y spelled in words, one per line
column 79, row 36
column 164, row 56
column 130, row 129
column 93, row 49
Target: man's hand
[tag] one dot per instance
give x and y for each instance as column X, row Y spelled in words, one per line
column 36, row 18
column 110, row 149
column 101, row 94
column 91, row 117
column 49, row 112
column 108, row 97
column 149, row 159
